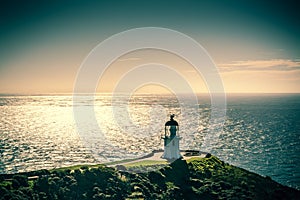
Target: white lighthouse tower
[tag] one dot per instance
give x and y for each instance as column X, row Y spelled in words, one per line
column 171, row 140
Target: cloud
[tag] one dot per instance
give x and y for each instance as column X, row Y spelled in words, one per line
column 280, row 65
column 128, row 59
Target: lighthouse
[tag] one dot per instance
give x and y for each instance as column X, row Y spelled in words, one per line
column 171, row 140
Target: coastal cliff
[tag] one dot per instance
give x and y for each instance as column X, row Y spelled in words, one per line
column 196, row 178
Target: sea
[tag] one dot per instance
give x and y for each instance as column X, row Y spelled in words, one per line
column 257, row 132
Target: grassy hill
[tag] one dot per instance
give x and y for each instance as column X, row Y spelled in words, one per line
column 201, row 178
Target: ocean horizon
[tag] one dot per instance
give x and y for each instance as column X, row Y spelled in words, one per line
column 261, row 131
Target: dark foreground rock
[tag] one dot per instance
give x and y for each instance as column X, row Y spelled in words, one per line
column 205, row 178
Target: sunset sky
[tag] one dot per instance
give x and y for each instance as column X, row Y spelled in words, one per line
column 255, row 44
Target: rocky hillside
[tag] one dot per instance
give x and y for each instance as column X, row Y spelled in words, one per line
column 202, row 178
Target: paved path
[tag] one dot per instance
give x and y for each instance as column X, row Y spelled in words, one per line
column 157, row 156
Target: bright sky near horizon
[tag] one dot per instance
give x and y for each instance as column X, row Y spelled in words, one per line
column 255, row 44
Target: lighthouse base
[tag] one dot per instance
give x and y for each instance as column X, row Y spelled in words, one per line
column 171, row 148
